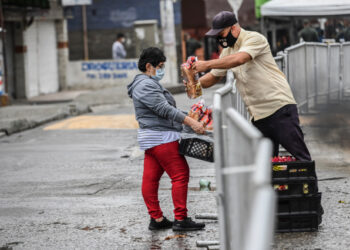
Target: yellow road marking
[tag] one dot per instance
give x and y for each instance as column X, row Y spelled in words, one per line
column 96, row 122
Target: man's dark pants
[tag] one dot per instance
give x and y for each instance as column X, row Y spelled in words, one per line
column 283, row 128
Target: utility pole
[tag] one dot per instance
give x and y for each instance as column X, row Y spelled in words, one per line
column 83, row 4
column 4, row 98
column 3, row 88
column 85, row 36
column 169, row 40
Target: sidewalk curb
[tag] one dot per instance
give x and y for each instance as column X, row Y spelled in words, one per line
column 25, row 124
column 70, row 109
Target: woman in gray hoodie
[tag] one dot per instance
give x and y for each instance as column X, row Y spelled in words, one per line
column 160, row 124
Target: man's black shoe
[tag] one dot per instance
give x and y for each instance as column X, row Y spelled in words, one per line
column 164, row 224
column 187, row 225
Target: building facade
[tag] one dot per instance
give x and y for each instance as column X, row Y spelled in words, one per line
column 106, row 18
column 34, row 36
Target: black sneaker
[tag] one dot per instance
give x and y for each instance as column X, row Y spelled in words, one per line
column 187, row 225
column 164, row 224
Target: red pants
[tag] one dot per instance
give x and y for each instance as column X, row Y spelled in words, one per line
column 166, row 158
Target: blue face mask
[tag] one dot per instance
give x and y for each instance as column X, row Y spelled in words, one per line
column 159, row 74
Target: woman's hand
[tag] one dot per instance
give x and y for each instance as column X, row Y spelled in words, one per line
column 198, row 127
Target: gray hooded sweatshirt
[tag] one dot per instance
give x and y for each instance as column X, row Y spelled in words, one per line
column 155, row 107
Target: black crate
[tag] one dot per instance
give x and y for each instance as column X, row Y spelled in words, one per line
column 299, row 203
column 298, row 222
column 293, row 169
column 295, row 186
column 197, row 148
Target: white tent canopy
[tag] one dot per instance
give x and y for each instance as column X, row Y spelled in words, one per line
column 306, row 8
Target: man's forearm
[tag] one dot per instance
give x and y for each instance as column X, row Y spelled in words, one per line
column 228, row 62
column 225, row 62
column 208, row 80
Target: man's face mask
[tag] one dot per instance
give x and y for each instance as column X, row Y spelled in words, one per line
column 227, row 41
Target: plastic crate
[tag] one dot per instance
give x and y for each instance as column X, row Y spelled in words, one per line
column 293, row 169
column 295, row 186
column 197, row 148
column 299, row 203
column 298, row 222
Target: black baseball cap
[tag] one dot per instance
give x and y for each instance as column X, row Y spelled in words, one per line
column 221, row 21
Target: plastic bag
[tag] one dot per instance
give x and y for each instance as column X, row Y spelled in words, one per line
column 193, row 87
column 203, row 114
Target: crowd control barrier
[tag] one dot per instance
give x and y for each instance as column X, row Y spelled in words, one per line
column 317, row 73
column 243, row 172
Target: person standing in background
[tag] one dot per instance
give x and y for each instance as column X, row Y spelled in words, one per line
column 118, row 50
column 344, row 33
column 347, row 30
column 191, row 45
column 308, row 34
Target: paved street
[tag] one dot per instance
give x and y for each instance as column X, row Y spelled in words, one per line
column 79, row 187
column 75, row 184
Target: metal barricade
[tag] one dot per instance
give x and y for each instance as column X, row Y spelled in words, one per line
column 237, row 101
column 334, row 79
column 321, row 73
column 316, row 72
column 243, row 166
column 296, row 68
column 345, row 62
column 280, row 61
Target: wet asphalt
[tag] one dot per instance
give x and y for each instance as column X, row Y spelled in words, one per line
column 81, row 189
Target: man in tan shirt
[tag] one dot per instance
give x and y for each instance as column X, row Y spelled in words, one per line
column 262, row 85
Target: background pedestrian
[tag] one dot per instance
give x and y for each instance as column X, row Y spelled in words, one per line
column 118, row 50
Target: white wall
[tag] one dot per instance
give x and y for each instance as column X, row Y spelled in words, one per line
column 41, row 67
column 31, row 61
column 48, row 64
column 101, row 73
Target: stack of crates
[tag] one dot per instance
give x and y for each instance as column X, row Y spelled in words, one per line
column 299, row 202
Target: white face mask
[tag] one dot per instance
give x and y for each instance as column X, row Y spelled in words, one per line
column 122, row 40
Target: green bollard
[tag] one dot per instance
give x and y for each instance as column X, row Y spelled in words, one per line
column 204, row 185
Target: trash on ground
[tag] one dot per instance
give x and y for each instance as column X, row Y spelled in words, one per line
column 175, row 236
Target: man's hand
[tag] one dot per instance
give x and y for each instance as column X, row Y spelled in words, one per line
column 200, row 66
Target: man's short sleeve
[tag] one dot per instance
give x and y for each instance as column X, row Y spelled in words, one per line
column 255, row 45
column 220, row 72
